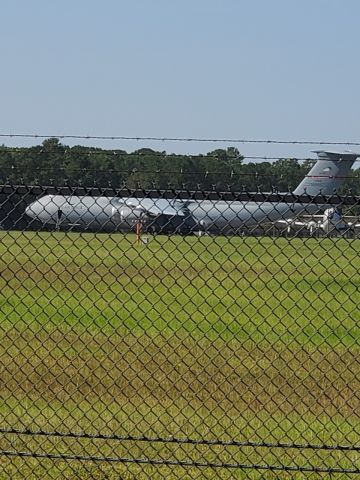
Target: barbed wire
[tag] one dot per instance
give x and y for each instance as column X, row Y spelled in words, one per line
column 133, row 171
column 95, row 151
column 179, row 463
column 179, row 139
column 70, row 171
column 64, row 149
column 190, row 441
column 172, row 193
column 199, row 175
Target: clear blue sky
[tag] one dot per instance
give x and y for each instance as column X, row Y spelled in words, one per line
column 285, row 69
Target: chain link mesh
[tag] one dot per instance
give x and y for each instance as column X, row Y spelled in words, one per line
column 155, row 336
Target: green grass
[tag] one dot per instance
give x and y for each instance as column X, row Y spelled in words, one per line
column 258, row 289
column 211, row 337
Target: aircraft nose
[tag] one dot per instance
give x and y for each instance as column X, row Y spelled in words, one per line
column 44, row 209
column 34, row 210
column 29, row 210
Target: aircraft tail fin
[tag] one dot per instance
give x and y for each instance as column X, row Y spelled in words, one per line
column 327, row 174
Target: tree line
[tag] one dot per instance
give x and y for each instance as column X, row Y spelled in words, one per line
column 53, row 163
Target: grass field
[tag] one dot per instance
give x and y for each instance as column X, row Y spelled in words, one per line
column 211, row 337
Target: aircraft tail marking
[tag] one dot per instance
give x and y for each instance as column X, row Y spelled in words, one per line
column 327, row 174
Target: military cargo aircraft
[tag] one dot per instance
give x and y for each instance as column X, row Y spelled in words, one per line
column 190, row 216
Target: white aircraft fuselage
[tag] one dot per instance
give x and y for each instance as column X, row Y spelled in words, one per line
column 123, row 214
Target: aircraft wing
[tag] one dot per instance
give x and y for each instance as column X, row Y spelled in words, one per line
column 161, row 206
column 169, row 211
column 292, row 222
column 354, row 225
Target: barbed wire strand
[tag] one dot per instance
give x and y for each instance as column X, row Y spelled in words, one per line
column 16, row 169
column 133, row 171
column 65, row 149
column 179, row 139
column 128, row 155
column 179, row 463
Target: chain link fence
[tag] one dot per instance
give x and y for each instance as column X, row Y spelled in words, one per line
column 174, row 334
